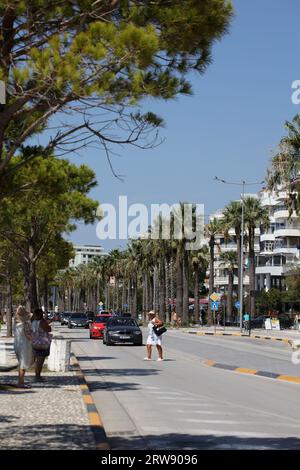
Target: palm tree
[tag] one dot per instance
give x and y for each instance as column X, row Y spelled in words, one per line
column 233, row 219
column 199, row 263
column 255, row 215
column 213, row 228
column 229, row 260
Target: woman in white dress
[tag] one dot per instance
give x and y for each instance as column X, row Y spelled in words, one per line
column 153, row 339
column 22, row 343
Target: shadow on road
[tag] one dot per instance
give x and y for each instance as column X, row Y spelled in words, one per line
column 176, row 441
column 120, row 372
column 94, row 358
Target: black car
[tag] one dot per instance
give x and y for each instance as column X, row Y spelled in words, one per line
column 64, row 317
column 78, row 320
column 90, row 317
column 122, row 330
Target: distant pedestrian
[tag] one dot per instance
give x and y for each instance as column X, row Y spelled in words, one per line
column 246, row 321
column 41, row 328
column 22, row 343
column 174, row 319
column 153, row 339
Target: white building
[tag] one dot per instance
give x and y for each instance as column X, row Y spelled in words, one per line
column 279, row 242
column 85, row 253
column 223, row 245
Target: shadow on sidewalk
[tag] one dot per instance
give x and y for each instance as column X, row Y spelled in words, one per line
column 46, row 436
column 52, row 381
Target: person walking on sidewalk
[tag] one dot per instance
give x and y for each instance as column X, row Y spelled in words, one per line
column 22, row 343
column 40, row 327
column 153, row 339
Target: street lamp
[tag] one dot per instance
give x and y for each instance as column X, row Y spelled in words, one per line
column 241, row 287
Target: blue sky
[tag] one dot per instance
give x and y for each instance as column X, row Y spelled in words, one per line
column 229, row 126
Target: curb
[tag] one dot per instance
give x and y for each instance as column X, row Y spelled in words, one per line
column 93, row 414
column 259, row 373
column 270, row 338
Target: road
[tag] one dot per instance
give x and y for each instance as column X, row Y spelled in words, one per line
column 181, row 404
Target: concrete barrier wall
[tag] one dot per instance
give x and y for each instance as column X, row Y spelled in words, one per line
column 59, row 358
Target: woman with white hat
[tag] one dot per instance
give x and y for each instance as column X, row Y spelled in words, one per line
column 153, row 339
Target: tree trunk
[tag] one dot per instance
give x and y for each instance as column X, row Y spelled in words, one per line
column 46, row 293
column 252, row 271
column 9, row 312
column 185, row 285
column 162, row 291
column 196, row 294
column 30, row 285
column 211, row 277
column 179, row 283
column 229, row 294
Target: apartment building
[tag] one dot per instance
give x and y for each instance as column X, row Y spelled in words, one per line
column 279, row 242
column 277, row 246
column 85, row 253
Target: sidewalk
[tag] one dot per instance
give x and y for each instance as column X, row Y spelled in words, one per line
column 8, row 360
column 257, row 333
column 48, row 416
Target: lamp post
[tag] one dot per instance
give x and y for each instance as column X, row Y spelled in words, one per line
column 241, row 287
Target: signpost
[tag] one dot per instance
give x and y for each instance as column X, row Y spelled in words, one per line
column 214, row 305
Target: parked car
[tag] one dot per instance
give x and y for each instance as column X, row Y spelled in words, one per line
column 90, row 317
column 78, row 320
column 98, row 325
column 122, row 330
column 64, row 317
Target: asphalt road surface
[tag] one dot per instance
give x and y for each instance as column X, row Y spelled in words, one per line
column 182, row 404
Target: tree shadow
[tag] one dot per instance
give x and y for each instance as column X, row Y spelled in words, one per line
column 46, row 437
column 52, row 381
column 181, row 441
column 120, row 372
column 113, row 386
column 94, row 358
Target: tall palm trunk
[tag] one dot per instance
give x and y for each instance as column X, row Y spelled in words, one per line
column 211, row 277
column 229, row 293
column 196, row 293
column 251, row 271
column 179, row 283
column 185, row 285
column 162, row 290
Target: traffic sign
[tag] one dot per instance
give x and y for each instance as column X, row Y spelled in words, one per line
column 237, row 304
column 214, row 296
column 214, row 305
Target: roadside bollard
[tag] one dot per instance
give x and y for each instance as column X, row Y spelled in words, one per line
column 59, row 358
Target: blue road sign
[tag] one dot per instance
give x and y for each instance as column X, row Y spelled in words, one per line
column 125, row 305
column 237, row 304
column 214, row 305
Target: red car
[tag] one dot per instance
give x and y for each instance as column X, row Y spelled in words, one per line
column 98, row 325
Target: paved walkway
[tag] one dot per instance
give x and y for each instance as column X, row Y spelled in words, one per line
column 290, row 334
column 47, row 416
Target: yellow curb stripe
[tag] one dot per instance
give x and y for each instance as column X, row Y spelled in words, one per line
column 88, row 400
column 243, row 370
column 94, row 419
column 84, row 387
column 210, row 362
column 289, row 378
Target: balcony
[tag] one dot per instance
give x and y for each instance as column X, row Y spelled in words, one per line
column 267, row 236
column 273, row 270
column 223, row 280
column 288, row 231
column 283, row 213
